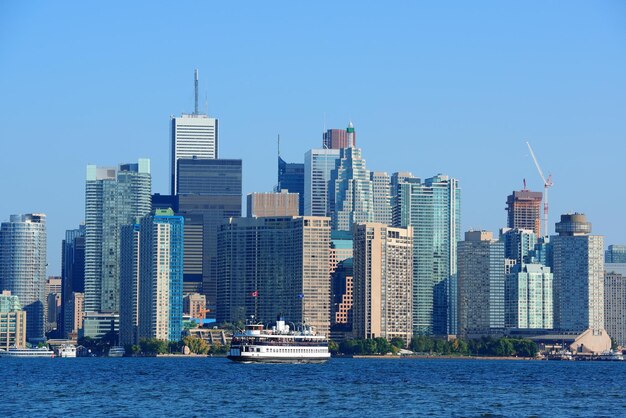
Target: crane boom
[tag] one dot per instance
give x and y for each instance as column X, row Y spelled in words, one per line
column 547, row 183
column 532, row 154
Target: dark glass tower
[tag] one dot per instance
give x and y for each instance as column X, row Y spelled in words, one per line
column 291, row 178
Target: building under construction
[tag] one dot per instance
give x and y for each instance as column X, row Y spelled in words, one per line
column 524, row 210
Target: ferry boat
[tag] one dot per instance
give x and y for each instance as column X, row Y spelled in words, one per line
column 116, row 351
column 278, row 345
column 27, row 352
column 611, row 356
column 67, row 351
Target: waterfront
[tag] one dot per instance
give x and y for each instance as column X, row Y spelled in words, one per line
column 341, row 387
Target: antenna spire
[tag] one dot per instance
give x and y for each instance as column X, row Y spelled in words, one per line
column 279, row 145
column 195, row 76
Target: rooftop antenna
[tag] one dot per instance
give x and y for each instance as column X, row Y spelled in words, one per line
column 279, row 145
column 195, row 76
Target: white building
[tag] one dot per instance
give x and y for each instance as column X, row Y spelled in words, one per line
column 529, row 297
column 381, row 187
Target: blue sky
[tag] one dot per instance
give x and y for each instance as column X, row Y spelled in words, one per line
column 431, row 87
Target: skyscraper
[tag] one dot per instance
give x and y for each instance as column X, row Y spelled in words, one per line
column 528, row 297
column 291, row 178
column 193, row 136
column 615, row 254
column 381, row 196
column 271, row 266
column 350, row 191
column 23, row 267
column 524, row 210
column 383, row 279
column 213, row 189
column 113, row 198
column 272, row 204
column 578, row 275
column 615, row 306
column 433, row 209
column 72, row 274
column 518, row 243
column 480, row 285
column 340, row 138
column 318, row 165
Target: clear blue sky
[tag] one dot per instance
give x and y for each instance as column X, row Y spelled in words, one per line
column 438, row 87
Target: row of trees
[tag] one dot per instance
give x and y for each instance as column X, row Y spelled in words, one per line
column 486, row 346
column 154, row 346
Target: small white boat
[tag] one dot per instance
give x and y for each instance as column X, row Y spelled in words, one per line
column 116, row 351
column 67, row 351
column 611, row 356
column 42, row 352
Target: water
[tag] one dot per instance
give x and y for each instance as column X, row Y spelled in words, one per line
column 342, row 387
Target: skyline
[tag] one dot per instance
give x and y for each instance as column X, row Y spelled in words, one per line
column 456, row 96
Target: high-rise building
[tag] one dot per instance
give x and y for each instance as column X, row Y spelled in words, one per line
column 615, row 306
column 318, row 165
column 212, row 189
column 342, row 294
column 12, row 322
column 193, row 136
column 280, row 203
column 578, row 267
column 194, row 305
column 397, row 179
column 291, row 178
column 350, row 191
column 23, row 267
column 52, row 299
column 433, row 209
column 272, row 266
column 518, row 243
column 383, row 281
column 130, row 268
column 75, row 310
column 72, row 275
column 339, row 138
column 615, row 254
column 528, row 297
column 381, row 195
column 114, row 197
column 524, row 210
column 161, row 276
column 480, row 277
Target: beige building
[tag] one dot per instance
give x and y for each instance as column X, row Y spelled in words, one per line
column 615, row 305
column 272, row 204
column 194, row 305
column 12, row 322
column 76, row 310
column 383, row 281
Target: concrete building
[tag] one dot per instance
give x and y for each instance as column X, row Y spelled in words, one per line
column 381, row 192
column 23, row 267
column 212, row 189
column 339, row 138
column 528, row 301
column 350, row 191
column 12, row 322
column 342, row 297
column 98, row 324
column 272, row 266
column 383, row 279
column 75, row 310
column 318, row 165
column 615, row 306
column 194, row 305
column 113, row 197
column 72, row 275
column 291, row 178
column 480, row 285
column 433, row 209
column 615, row 254
column 281, row 203
column 52, row 307
column 524, row 211
column 578, row 267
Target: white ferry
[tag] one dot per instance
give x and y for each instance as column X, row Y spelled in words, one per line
column 611, row 356
column 116, row 351
column 278, row 345
column 27, row 352
column 67, row 351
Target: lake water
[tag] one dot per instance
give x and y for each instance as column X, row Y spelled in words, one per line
column 342, row 387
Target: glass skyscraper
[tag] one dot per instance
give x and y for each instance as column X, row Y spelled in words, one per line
column 318, row 165
column 433, row 209
column 291, row 178
column 23, row 267
column 72, row 274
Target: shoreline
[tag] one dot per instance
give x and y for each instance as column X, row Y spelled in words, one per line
column 442, row 357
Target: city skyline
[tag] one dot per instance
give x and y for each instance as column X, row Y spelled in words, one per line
column 444, row 90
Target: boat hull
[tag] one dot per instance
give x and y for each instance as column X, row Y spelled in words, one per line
column 285, row 360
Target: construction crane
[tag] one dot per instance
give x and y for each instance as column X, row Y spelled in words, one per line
column 547, row 183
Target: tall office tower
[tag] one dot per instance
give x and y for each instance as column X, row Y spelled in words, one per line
column 281, row 203
column 397, row 179
column 130, row 245
column 76, row 310
column 272, row 266
column 291, row 178
column 339, row 138
column 615, row 306
column 528, row 297
column 524, row 210
column 52, row 302
column 433, row 209
column 383, row 279
column 578, row 289
column 318, row 165
column 481, row 285
column 113, row 198
column 342, row 294
column 381, row 192
column 193, row 136
column 72, row 274
column 341, row 247
column 12, row 322
column 211, row 188
column 23, row 267
column 161, row 276
column 518, row 243
column 350, row 191
column 615, row 254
